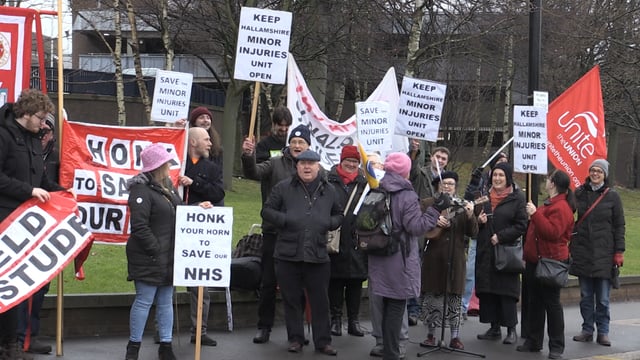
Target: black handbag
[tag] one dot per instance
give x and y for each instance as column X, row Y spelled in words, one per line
column 508, row 257
column 551, row 272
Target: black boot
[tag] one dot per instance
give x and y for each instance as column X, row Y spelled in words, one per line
column 165, row 352
column 511, row 337
column 14, row 351
column 336, row 326
column 493, row 333
column 132, row 350
column 354, row 328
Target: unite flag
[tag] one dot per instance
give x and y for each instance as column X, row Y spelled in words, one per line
column 575, row 128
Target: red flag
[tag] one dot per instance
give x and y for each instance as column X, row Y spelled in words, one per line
column 15, row 51
column 575, row 124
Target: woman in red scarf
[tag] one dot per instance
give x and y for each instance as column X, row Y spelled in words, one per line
column 349, row 265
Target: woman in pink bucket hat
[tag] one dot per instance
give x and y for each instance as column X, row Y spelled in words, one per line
column 152, row 208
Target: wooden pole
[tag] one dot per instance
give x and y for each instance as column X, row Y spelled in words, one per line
column 254, row 108
column 60, row 294
column 199, row 323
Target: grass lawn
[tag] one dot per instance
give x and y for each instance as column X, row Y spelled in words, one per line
column 106, row 267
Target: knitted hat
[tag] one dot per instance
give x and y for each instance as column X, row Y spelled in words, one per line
column 308, row 155
column 154, row 156
column 508, row 171
column 50, row 120
column 350, row 152
column 602, row 164
column 494, row 161
column 445, row 175
column 200, row 110
column 398, row 163
column 301, row 131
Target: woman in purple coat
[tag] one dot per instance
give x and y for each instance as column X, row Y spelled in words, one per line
column 397, row 277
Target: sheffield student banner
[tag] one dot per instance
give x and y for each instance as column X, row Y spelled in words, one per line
column 575, row 124
column 38, row 241
column 329, row 136
column 97, row 160
column 15, row 51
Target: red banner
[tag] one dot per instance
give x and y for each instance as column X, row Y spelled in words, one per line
column 575, row 128
column 15, row 51
column 38, row 241
column 97, row 160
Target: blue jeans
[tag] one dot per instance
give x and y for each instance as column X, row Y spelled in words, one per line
column 595, row 312
column 145, row 295
column 470, row 280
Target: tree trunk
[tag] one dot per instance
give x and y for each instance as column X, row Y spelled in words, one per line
column 231, row 131
column 166, row 38
column 414, row 39
column 144, row 94
column 117, row 61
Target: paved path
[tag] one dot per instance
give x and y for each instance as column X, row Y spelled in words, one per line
column 624, row 335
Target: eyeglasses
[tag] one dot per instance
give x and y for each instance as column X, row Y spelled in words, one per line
column 596, row 171
column 297, row 142
column 447, row 183
column 42, row 118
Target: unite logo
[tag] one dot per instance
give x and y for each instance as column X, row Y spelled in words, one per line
column 581, row 130
column 5, row 51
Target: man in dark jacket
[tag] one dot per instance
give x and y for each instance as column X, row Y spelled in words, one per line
column 202, row 181
column 302, row 209
column 272, row 145
column 22, row 177
column 272, row 171
column 29, row 310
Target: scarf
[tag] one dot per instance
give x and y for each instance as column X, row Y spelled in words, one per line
column 345, row 176
column 497, row 197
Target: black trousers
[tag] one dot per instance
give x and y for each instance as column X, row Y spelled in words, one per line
column 546, row 303
column 294, row 278
column 8, row 326
column 345, row 289
column 267, row 304
column 498, row 309
column 392, row 315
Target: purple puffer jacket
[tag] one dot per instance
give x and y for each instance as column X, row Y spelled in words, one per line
column 392, row 276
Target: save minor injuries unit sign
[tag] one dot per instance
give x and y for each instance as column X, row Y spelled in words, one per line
column 202, row 254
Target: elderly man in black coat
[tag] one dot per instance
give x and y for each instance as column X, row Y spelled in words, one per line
column 303, row 208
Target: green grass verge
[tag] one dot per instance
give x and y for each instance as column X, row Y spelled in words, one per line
column 106, row 267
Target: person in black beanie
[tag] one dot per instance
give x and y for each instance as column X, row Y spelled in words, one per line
column 503, row 220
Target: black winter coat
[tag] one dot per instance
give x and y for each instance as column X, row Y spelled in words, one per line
column 207, row 182
column 302, row 219
column 21, row 163
column 150, row 246
column 509, row 222
column 599, row 235
column 349, row 262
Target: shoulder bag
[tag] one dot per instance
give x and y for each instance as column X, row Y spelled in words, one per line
column 508, row 257
column 333, row 236
column 551, row 272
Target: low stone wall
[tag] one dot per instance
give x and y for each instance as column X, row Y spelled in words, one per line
column 108, row 314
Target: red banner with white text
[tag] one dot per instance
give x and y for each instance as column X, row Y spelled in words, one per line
column 96, row 162
column 575, row 128
column 38, row 241
column 15, row 51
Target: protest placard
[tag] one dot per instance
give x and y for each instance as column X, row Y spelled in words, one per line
column 171, row 96
column 374, row 125
column 530, row 140
column 420, row 109
column 202, row 254
column 263, row 45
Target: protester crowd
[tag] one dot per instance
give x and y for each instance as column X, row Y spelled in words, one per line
column 447, row 242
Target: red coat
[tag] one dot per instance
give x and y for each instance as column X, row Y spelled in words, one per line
column 552, row 224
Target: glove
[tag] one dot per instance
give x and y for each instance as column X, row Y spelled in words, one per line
column 476, row 175
column 442, row 202
column 618, row 259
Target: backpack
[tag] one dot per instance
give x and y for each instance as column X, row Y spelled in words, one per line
column 249, row 245
column 374, row 228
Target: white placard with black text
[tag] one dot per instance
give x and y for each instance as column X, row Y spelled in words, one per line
column 171, row 96
column 374, row 125
column 202, row 254
column 530, row 140
column 263, row 45
column 420, row 109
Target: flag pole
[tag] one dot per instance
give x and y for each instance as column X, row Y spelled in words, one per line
column 60, row 278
